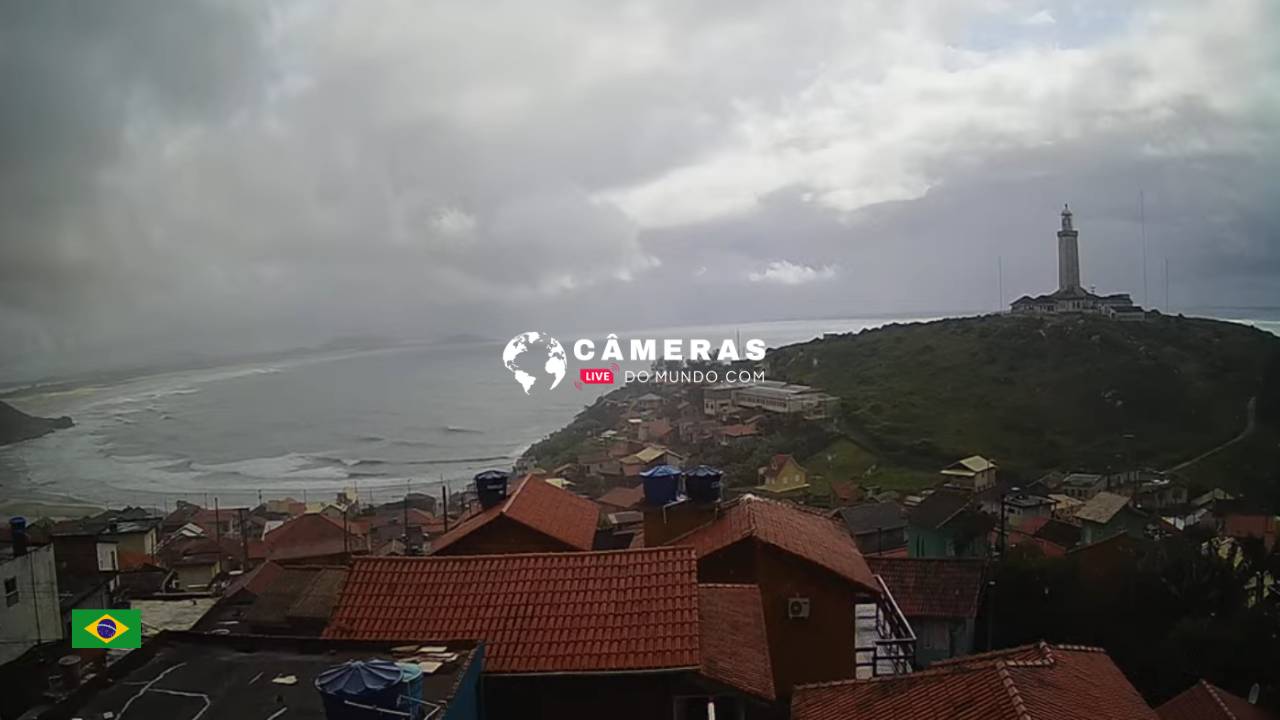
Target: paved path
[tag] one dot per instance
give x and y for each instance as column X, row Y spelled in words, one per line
column 1251, row 422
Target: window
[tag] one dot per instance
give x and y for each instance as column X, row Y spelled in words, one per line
column 10, row 592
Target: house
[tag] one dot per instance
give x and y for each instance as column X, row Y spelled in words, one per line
column 782, row 475
column 939, row 597
column 811, row 578
column 1240, row 519
column 1021, row 507
column 876, row 527
column 649, row 403
column 945, row 525
column 197, row 572
column 717, row 400
column 621, row 499
column 655, row 430
column 974, row 473
column 648, row 457
column 275, row 599
column 1052, row 536
column 1082, row 486
column 1065, row 506
column 619, row 634
column 315, row 538
column 137, row 536
column 737, row 434
column 534, row 517
column 1206, row 701
column 31, row 613
column 1032, row 682
column 212, row 677
column 1107, row 514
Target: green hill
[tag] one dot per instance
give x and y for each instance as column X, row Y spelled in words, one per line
column 1044, row 393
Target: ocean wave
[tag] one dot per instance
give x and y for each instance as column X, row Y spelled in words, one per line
column 461, row 429
column 289, row 465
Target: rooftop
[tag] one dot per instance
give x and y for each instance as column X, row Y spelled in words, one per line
column 578, row 613
column 938, row 508
column 314, row 535
column 540, row 612
column 623, row 497
column 933, row 587
column 187, row 675
column 872, row 517
column 970, row 466
column 1102, row 507
column 796, row 530
column 547, row 509
column 1206, row 701
column 1033, row 682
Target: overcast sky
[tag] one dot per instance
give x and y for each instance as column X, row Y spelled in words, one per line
column 193, row 177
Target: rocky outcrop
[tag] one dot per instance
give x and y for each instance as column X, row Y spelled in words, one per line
column 16, row 426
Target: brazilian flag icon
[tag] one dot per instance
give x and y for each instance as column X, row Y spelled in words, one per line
column 106, row 628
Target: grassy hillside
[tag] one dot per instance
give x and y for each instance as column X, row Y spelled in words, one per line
column 1037, row 394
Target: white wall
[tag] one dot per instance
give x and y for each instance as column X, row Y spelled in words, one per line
column 35, row 618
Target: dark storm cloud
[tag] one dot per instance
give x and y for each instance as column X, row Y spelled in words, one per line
column 216, row 177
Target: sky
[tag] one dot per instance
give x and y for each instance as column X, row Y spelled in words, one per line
column 193, row 178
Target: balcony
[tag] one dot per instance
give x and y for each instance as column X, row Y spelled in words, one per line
column 885, row 642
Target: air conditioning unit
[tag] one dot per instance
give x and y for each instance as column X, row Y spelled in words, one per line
column 798, row 608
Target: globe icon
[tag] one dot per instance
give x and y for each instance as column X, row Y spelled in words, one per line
column 531, row 356
column 106, row 628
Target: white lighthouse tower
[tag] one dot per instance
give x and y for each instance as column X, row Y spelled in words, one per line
column 1068, row 255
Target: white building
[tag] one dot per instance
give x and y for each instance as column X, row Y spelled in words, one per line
column 1070, row 296
column 779, row 397
column 29, row 614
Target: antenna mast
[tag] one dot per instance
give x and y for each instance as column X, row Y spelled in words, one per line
column 1142, row 221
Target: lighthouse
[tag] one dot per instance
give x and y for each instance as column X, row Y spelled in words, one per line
column 1068, row 254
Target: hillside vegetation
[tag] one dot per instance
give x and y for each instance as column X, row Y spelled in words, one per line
column 1040, row 393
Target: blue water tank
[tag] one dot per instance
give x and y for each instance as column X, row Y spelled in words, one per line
column 702, row 484
column 491, row 487
column 661, row 484
column 376, row 683
column 411, row 690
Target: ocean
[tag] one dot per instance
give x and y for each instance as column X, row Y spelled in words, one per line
column 378, row 421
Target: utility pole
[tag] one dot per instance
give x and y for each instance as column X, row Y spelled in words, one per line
column 244, row 541
column 1166, row 283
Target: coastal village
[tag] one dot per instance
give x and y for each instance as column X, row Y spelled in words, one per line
column 666, row 562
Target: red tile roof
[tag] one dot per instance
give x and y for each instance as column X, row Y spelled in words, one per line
column 1033, row 682
column 622, row 497
column 796, row 530
column 538, row 612
column 1206, row 701
column 554, row 512
column 313, row 535
column 735, row 649
column 932, row 587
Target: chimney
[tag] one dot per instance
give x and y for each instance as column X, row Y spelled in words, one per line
column 18, row 528
column 491, row 488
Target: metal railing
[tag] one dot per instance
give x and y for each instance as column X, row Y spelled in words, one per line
column 893, row 650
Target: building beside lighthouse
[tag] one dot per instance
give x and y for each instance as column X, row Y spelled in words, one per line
column 1070, row 296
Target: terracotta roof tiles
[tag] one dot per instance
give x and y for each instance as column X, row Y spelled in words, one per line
column 537, row 612
column 534, row 503
column 791, row 528
column 1206, row 701
column 1032, row 682
column 932, row 587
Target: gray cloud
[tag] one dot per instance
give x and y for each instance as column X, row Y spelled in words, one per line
column 199, row 177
